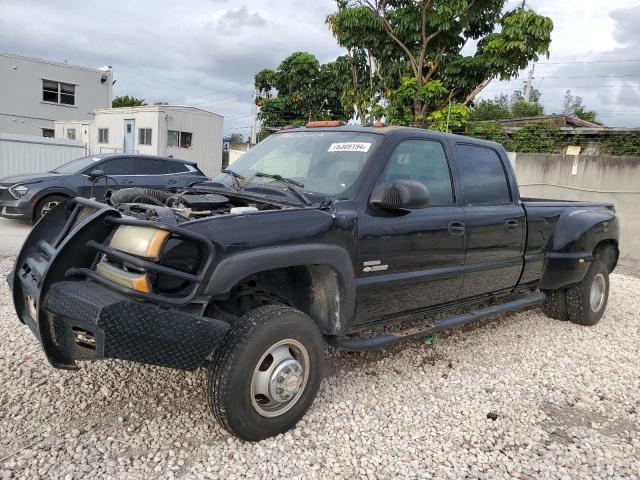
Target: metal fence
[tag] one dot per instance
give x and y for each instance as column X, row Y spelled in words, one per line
column 28, row 154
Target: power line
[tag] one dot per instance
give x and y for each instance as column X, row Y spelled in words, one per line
column 215, row 92
column 587, row 61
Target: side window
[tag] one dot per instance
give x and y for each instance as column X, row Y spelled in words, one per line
column 426, row 162
column 484, row 181
column 149, row 166
column 117, row 166
column 177, row 167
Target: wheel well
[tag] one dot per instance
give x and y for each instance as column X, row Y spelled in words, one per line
column 312, row 289
column 44, row 197
column 607, row 250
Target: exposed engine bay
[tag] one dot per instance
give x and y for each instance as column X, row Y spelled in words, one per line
column 185, row 205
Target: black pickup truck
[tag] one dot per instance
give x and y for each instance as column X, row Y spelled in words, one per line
column 314, row 237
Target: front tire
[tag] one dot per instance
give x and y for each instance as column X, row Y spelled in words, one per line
column 47, row 204
column 266, row 374
column 587, row 301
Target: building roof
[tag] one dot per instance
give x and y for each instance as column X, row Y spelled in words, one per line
column 562, row 120
column 152, row 108
column 105, row 70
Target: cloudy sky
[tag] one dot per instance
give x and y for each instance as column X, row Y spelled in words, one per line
column 205, row 53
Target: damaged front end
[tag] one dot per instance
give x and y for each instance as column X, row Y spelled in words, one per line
column 93, row 283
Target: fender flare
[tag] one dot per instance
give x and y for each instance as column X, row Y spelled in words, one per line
column 234, row 268
column 575, row 237
column 54, row 191
column 582, row 230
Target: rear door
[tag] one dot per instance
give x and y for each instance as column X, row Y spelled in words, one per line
column 184, row 174
column 152, row 172
column 495, row 222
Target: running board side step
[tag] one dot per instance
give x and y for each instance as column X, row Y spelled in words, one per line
column 371, row 343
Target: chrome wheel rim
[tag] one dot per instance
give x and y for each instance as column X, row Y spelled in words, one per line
column 279, row 378
column 47, row 207
column 598, row 290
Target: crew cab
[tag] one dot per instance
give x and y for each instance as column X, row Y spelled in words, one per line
column 315, row 237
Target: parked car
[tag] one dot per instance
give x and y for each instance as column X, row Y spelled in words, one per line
column 30, row 196
column 317, row 235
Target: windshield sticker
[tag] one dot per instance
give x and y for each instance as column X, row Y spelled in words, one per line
column 302, row 134
column 350, row 147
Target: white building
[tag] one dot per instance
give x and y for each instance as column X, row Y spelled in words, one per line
column 35, row 93
column 187, row 133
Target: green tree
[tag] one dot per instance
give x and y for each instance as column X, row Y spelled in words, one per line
column 302, row 89
column 414, row 43
column 573, row 105
column 127, row 101
column 236, row 139
column 522, row 108
column 494, row 109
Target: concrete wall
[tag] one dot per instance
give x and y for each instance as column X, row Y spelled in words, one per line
column 33, row 154
column 22, row 109
column 589, row 178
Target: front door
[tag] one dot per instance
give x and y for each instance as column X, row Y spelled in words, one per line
column 413, row 259
column 495, row 222
column 129, row 135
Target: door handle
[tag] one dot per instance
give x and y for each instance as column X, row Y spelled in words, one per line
column 511, row 225
column 172, row 182
column 127, row 182
column 456, row 228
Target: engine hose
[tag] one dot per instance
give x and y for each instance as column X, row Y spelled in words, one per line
column 140, row 195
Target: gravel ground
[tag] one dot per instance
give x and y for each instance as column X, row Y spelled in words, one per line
column 565, row 398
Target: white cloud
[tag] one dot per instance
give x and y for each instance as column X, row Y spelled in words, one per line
column 205, row 53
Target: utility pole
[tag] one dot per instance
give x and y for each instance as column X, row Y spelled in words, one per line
column 254, row 114
column 528, row 89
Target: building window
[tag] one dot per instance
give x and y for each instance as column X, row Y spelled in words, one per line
column 103, row 135
column 144, row 136
column 71, row 133
column 179, row 139
column 48, row 132
column 58, row 92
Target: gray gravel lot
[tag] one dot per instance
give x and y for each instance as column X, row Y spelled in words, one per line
column 567, row 400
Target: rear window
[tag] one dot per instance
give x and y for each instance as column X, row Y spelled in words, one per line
column 149, row 166
column 177, row 167
column 117, row 166
column 484, row 180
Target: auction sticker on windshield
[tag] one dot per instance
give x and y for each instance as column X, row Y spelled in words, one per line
column 349, row 147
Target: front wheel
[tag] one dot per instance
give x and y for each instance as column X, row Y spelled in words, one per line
column 47, row 204
column 266, row 374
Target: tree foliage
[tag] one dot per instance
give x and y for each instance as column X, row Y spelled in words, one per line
column 302, row 89
column 127, row 101
column 410, row 44
column 503, row 106
column 573, row 105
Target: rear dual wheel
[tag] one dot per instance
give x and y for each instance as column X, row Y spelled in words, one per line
column 266, row 374
column 583, row 303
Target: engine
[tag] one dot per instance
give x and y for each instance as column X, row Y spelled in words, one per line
column 185, row 205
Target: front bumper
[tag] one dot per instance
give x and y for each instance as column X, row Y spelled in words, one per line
column 125, row 329
column 76, row 317
column 16, row 209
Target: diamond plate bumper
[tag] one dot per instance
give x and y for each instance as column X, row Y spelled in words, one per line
column 126, row 329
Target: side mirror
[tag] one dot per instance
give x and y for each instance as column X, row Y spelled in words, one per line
column 403, row 194
column 96, row 174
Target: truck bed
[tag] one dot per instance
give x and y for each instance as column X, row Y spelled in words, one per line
column 545, row 202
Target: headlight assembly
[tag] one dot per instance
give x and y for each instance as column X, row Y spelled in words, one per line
column 146, row 242
column 18, row 191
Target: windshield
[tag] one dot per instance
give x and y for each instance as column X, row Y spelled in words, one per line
column 325, row 162
column 77, row 165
